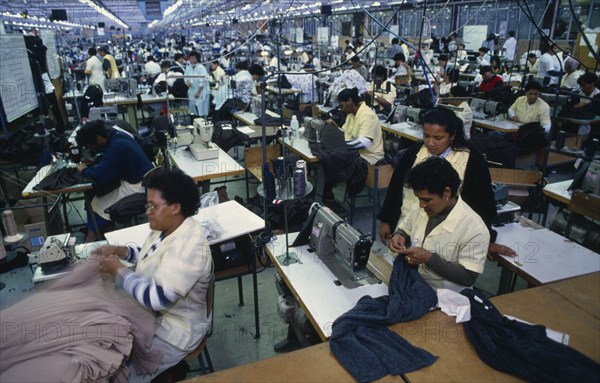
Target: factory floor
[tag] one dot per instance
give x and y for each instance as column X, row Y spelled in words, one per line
column 233, row 341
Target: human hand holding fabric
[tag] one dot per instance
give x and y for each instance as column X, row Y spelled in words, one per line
column 110, row 265
column 397, row 243
column 415, row 255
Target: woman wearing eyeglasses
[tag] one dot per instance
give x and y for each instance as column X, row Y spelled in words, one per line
column 173, row 268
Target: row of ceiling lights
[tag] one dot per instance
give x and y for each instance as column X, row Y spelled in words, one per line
column 42, row 22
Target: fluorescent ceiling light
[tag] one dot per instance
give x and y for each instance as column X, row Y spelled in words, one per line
column 105, row 12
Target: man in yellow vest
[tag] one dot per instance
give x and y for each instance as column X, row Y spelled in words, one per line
column 109, row 65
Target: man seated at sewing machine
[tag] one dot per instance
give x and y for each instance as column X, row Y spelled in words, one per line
column 442, row 235
column 490, row 80
column 116, row 174
column 382, row 91
column 531, row 108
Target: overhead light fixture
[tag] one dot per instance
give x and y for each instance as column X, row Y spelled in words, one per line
column 173, row 7
column 105, row 12
column 48, row 23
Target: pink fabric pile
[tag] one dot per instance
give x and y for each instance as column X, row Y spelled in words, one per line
column 80, row 329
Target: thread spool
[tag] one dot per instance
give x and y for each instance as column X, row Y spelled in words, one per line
column 279, row 166
column 301, row 164
column 299, row 183
column 10, row 226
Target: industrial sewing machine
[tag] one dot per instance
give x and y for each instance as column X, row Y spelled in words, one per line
column 410, row 115
column 54, row 254
column 486, row 108
column 202, row 147
column 342, row 248
column 312, row 129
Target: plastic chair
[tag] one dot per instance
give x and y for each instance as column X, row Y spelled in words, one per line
column 378, row 179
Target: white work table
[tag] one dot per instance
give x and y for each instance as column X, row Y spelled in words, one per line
column 234, row 220
column 404, row 129
column 312, row 283
column 499, row 125
column 221, row 166
column 250, row 118
column 559, row 191
column 301, row 147
column 542, row 255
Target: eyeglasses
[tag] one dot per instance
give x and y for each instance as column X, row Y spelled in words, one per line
column 151, row 207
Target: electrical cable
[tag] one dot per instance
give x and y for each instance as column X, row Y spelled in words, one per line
column 527, row 12
column 469, row 19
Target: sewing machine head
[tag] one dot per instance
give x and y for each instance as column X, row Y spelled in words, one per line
column 203, row 131
column 112, row 85
column 478, row 107
column 410, row 115
column 336, row 242
column 492, row 108
column 312, row 129
column 201, row 146
column 52, row 255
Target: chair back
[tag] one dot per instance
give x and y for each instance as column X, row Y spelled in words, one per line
column 379, row 177
column 253, row 158
column 516, row 177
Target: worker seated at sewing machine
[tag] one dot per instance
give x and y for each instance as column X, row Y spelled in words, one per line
column 442, row 235
column 116, row 174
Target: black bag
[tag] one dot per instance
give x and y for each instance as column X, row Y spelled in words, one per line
column 227, row 138
column 160, row 87
column 230, row 254
column 496, row 148
column 179, row 89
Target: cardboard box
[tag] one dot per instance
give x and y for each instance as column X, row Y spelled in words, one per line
column 30, row 219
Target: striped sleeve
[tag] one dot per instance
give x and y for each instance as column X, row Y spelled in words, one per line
column 133, row 254
column 145, row 290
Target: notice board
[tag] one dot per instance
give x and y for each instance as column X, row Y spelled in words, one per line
column 17, row 91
